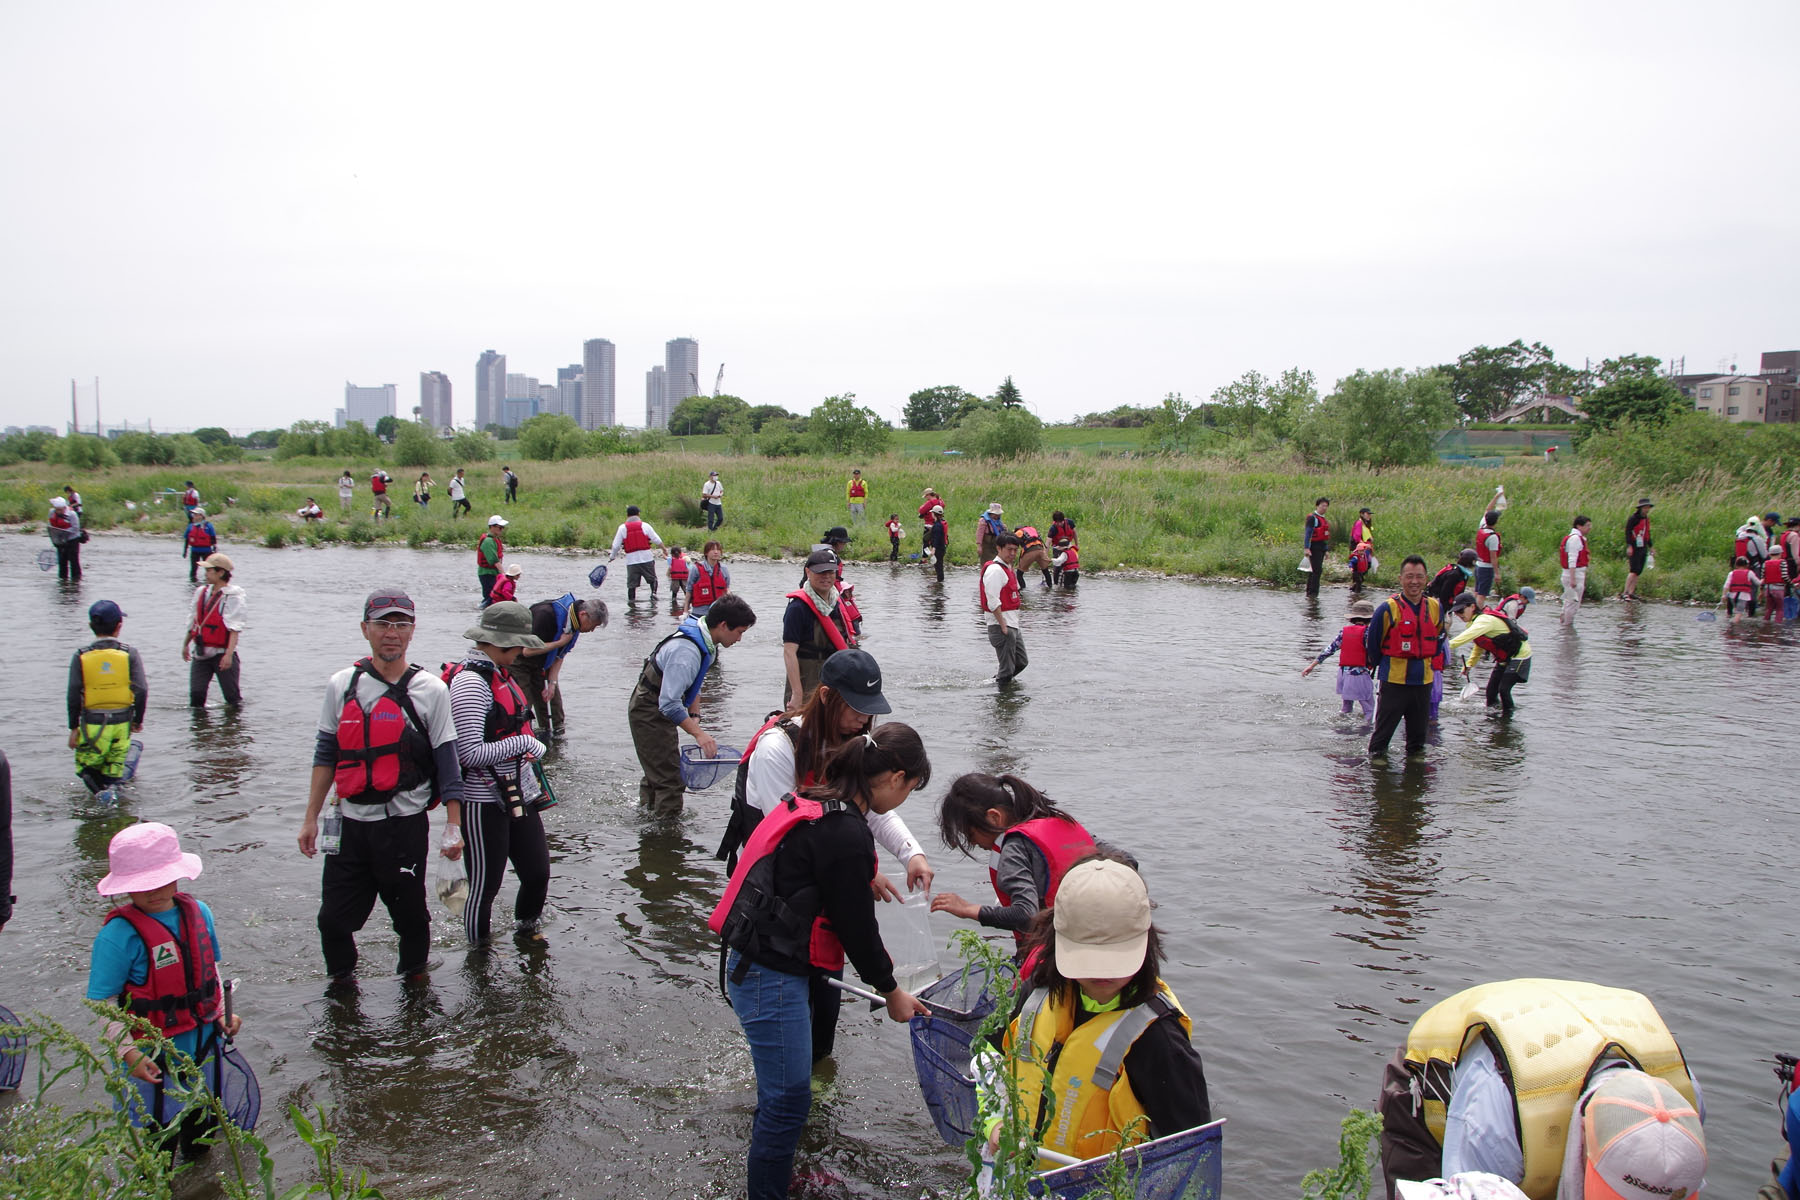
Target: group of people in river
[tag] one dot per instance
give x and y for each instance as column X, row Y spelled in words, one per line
column 817, row 788
column 1765, row 565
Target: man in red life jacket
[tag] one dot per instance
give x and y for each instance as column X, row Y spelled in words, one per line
column 378, row 482
column 1401, row 644
column 1572, row 553
column 489, row 551
column 857, row 493
column 211, row 647
column 1739, row 592
column 387, row 742
column 198, row 541
column 813, row 627
column 641, row 545
column 190, row 499
column 1315, row 539
column 1000, row 601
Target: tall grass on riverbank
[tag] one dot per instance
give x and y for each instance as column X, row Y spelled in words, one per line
column 1230, row 517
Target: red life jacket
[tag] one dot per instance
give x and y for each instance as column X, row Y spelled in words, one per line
column 836, row 634
column 857, row 490
column 1412, row 633
column 504, row 589
column 1483, row 539
column 1009, row 591
column 678, row 567
column 190, row 498
column 181, row 987
column 751, row 916
column 1029, row 535
column 925, row 508
column 209, row 619
column 635, row 537
column 1581, row 559
column 1359, row 557
column 482, row 564
column 1740, row 549
column 1505, row 645
column 708, row 584
column 1071, row 559
column 1741, row 582
column 893, row 528
column 377, row 483
column 509, row 712
column 1063, row 531
column 1062, row 843
column 1773, row 574
column 847, row 602
column 382, row 749
column 1353, row 650
column 60, row 519
column 1321, row 531
column 200, row 536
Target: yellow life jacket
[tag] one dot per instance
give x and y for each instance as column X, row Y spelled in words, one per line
column 105, row 679
column 1093, row 1109
column 1550, row 1033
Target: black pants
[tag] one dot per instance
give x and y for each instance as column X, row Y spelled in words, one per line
column 894, row 554
column 825, row 1001
column 715, row 513
column 1501, row 681
column 195, row 558
column 636, row 573
column 512, row 491
column 68, row 561
column 1410, row 702
column 1317, row 551
column 458, row 507
column 378, row 859
column 200, row 677
column 496, row 838
column 487, row 583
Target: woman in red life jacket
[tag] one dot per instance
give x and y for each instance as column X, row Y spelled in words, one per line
column 768, row 918
column 1740, row 589
column 710, row 579
column 1356, row 683
column 1031, row 845
column 157, row 957
column 678, row 577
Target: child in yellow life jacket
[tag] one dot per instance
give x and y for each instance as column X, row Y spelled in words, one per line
column 107, row 697
column 1126, row 1070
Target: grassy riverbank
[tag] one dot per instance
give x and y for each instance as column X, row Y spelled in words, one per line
column 1204, row 516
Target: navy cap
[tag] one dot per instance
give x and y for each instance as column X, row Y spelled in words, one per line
column 105, row 612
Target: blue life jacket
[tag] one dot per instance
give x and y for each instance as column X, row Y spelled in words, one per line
column 995, row 525
column 689, row 629
column 565, row 617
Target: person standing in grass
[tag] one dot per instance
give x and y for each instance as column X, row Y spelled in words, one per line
column 459, row 494
column 346, row 489
column 857, row 492
column 1315, row 539
column 488, row 553
column 422, row 490
column 712, row 501
column 1638, row 545
column 512, row 484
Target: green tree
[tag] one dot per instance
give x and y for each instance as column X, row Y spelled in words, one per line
column 1640, row 399
column 1007, row 394
column 540, row 435
column 1125, row 416
column 705, row 414
column 213, row 435
column 741, row 430
column 999, row 433
column 841, row 427
column 762, row 414
column 264, row 439
column 416, row 446
column 33, row 446
column 387, row 427
column 144, row 449
column 1380, row 419
column 468, row 447
column 354, row 440
column 1487, row 379
column 84, row 451
column 1629, row 366
column 937, row 407
column 186, row 450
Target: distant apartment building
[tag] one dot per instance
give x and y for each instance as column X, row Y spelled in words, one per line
column 568, row 391
column 1781, row 368
column 1771, row 395
column 1734, row 397
column 367, row 404
column 490, row 388
column 434, row 400
column 597, row 370
column 681, row 365
column 656, row 398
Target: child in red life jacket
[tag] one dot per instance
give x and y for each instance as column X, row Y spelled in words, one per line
column 1775, row 587
column 507, row 586
column 1356, row 683
column 157, row 957
column 895, row 532
column 678, row 576
column 1031, row 844
column 1067, row 564
column 1740, row 590
column 1362, row 561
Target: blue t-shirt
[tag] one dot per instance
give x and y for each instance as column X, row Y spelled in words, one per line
column 120, row 958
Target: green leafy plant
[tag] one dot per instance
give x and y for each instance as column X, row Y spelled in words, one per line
column 1351, row 1177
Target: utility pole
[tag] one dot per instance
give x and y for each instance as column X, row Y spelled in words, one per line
column 74, row 414
column 99, row 429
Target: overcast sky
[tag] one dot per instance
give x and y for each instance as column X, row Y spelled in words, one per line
column 225, row 211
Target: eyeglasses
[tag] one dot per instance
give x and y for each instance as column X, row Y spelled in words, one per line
column 394, row 625
column 219, row 569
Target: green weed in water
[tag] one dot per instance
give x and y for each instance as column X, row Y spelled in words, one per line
column 1351, row 1177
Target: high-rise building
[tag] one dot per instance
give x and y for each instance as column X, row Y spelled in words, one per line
column 568, row 391
column 490, row 388
column 681, row 363
column 550, row 399
column 597, row 384
column 656, row 398
column 367, row 404
column 434, row 401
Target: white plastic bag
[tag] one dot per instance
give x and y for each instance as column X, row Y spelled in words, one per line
column 906, row 932
column 450, row 884
column 1306, row 563
column 1650, row 561
column 1500, row 501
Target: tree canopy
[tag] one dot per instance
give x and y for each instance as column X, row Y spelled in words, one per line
column 705, row 414
column 840, row 426
column 938, row 407
column 1380, row 419
column 1007, row 394
column 999, row 433
column 1638, row 398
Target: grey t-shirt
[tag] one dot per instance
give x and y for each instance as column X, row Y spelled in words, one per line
column 430, row 700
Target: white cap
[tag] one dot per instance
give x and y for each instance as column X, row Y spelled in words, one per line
column 499, row 520
column 58, row 502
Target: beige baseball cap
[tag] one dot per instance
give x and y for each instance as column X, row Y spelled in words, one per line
column 1102, row 921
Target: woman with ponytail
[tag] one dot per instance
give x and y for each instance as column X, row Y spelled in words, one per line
column 799, row 904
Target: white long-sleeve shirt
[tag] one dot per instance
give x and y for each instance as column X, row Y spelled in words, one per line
column 773, row 774
column 636, row 556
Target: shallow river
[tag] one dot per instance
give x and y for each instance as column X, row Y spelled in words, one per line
column 1629, row 826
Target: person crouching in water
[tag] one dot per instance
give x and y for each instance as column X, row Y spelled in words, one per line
column 507, row 586
column 1739, row 592
column 1067, row 565
column 798, row 903
column 1362, row 561
column 1031, row 845
column 1355, row 682
column 157, row 957
column 1094, row 987
column 1497, row 634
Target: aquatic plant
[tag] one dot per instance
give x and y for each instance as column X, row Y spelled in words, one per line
column 1351, row 1177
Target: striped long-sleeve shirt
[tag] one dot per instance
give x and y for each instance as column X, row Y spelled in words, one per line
column 483, row 761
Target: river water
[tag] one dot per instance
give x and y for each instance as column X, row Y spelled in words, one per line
column 1631, row 826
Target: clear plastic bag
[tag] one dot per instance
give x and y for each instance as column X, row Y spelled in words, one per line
column 906, row 932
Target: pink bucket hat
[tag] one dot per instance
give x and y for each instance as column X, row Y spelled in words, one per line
column 144, row 857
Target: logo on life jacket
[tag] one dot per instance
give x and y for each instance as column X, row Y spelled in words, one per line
column 165, row 955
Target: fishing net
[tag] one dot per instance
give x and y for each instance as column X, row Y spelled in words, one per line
column 1182, row 1166
column 227, row 1074
column 597, row 576
column 12, row 1050
column 941, row 1050
column 966, row 997
column 699, row 772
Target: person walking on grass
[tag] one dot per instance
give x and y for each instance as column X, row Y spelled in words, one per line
column 459, row 494
column 1315, row 539
column 488, row 553
column 712, row 501
column 422, row 490
column 346, row 489
column 1638, row 546
column 511, row 481
column 378, row 484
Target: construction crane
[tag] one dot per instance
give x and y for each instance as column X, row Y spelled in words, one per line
column 719, row 379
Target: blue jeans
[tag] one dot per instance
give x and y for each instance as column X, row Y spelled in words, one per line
column 772, row 1008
